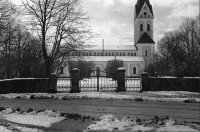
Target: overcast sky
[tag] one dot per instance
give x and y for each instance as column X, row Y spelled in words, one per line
column 113, row 19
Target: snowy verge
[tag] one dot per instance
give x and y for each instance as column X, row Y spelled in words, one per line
column 38, row 118
column 161, row 96
column 112, row 123
column 15, row 128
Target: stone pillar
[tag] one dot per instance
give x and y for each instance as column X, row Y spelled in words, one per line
column 52, row 83
column 121, row 79
column 75, row 80
column 145, row 81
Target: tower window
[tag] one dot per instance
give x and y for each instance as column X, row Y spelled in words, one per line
column 134, row 70
column 148, row 27
column 145, row 13
column 141, row 27
column 146, row 53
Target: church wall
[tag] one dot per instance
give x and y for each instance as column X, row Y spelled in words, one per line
column 102, row 65
column 143, row 47
column 108, row 53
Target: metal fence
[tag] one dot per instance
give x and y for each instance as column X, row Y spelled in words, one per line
column 133, row 84
column 64, row 84
column 101, row 83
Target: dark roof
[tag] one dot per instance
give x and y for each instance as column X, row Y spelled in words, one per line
column 139, row 5
column 145, row 39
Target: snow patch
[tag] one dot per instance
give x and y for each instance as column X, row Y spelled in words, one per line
column 176, row 128
column 14, row 128
column 45, row 119
column 112, row 123
column 4, row 129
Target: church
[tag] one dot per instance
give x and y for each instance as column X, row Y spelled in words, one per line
column 136, row 56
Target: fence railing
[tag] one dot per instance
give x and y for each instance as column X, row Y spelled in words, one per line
column 63, row 84
column 133, row 84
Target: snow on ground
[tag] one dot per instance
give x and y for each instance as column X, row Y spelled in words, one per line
column 112, row 123
column 44, row 118
column 164, row 96
column 14, row 128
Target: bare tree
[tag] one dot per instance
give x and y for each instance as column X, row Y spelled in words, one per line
column 60, row 25
column 179, row 50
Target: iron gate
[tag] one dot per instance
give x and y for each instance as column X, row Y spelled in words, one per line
column 98, row 80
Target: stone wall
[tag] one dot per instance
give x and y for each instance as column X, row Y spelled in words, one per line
column 173, row 84
column 23, row 86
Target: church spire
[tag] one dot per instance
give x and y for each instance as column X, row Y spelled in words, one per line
column 140, row 4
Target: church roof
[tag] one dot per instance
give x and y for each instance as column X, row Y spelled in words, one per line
column 113, row 47
column 139, row 5
column 107, row 58
column 145, row 39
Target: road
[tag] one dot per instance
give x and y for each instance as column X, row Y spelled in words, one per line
column 98, row 107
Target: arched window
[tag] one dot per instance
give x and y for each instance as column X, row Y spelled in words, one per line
column 123, row 54
column 94, row 53
column 112, row 54
column 106, row 53
column 128, row 54
column 146, row 53
column 90, row 54
column 72, row 53
column 141, row 27
column 131, row 54
column 87, row 54
column 135, row 54
column 98, row 54
column 101, row 54
column 134, row 70
column 120, row 54
column 117, row 54
column 148, row 27
column 109, row 54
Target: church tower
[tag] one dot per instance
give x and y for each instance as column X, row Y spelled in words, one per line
column 143, row 28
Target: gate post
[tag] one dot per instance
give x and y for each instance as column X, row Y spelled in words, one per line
column 75, row 81
column 98, row 74
column 52, row 83
column 145, row 81
column 121, row 79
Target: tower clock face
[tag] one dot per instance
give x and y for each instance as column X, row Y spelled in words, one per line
column 145, row 13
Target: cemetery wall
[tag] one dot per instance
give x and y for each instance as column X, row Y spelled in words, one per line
column 173, row 84
column 23, row 86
